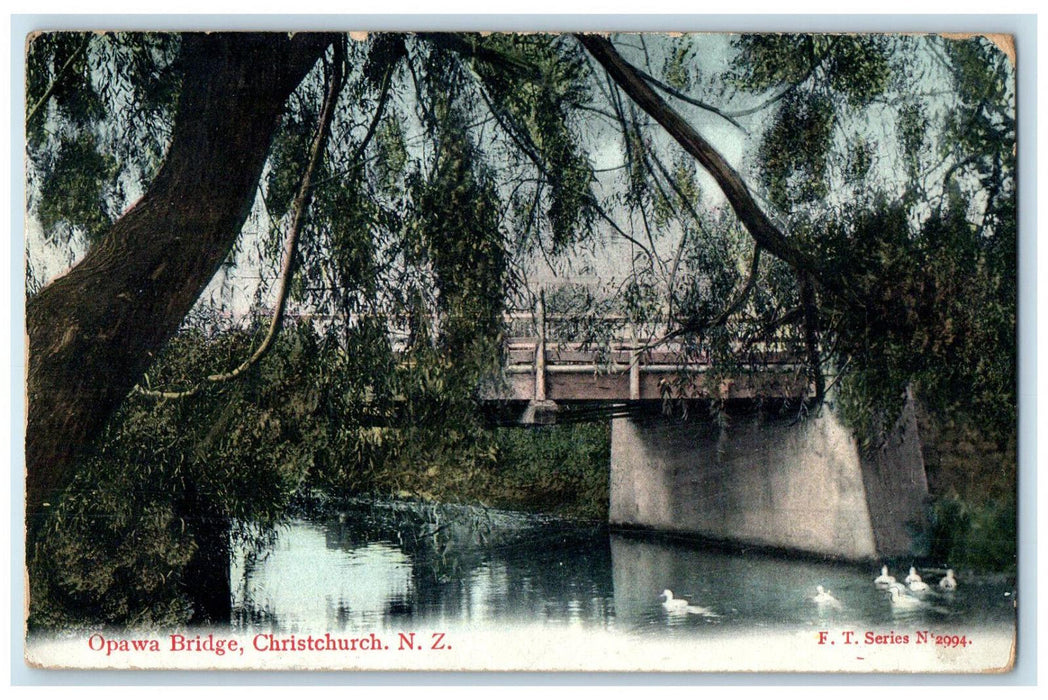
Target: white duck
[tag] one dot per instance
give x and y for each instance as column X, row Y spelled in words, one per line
column 919, row 586
column 680, row 606
column 899, row 599
column 823, row 597
column 898, row 587
column 948, row 582
column 912, row 576
column 885, row 579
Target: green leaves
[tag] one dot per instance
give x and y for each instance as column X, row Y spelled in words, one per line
column 288, row 158
column 97, row 123
column 767, row 61
column 980, row 129
column 935, row 315
column 856, row 67
column 558, row 469
column 913, row 125
column 678, row 65
column 793, row 153
column 58, row 68
column 536, row 107
column 820, row 80
column 76, row 190
column 456, row 216
column 392, row 156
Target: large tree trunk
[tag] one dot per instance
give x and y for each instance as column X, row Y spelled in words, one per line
column 93, row 332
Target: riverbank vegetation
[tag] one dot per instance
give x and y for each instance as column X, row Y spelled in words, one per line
column 972, row 475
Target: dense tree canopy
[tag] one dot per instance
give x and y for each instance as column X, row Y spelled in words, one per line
column 855, row 194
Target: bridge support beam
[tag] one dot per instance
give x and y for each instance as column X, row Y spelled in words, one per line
column 772, row 481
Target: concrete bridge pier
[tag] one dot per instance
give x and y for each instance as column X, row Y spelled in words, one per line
column 772, row 481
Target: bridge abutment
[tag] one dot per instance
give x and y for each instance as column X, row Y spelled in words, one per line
column 772, row 481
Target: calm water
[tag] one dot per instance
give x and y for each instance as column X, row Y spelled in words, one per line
column 396, row 565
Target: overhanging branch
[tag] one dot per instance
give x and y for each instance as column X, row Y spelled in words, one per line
column 757, row 223
column 684, row 97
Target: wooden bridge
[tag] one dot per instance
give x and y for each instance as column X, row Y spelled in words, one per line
column 749, row 475
column 544, row 375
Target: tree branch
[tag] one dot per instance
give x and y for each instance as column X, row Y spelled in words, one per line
column 670, row 90
column 693, row 326
column 775, row 98
column 794, row 315
column 356, row 160
column 757, row 223
column 767, row 103
column 54, row 83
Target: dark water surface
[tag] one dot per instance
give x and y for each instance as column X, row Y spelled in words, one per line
column 401, row 564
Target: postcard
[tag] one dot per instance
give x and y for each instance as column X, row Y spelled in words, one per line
column 521, row 351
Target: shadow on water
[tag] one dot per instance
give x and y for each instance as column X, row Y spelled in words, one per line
column 399, row 564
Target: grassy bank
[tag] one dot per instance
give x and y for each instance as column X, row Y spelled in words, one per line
column 558, row 469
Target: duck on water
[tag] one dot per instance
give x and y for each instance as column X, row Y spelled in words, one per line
column 885, row 579
column 901, row 600
column 680, row 606
column 824, row 598
column 915, row 582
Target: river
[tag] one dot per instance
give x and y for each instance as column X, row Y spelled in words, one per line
column 392, row 566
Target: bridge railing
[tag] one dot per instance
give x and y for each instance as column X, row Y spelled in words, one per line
column 613, row 346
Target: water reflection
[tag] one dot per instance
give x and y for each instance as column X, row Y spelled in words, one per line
column 303, row 581
column 395, row 565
